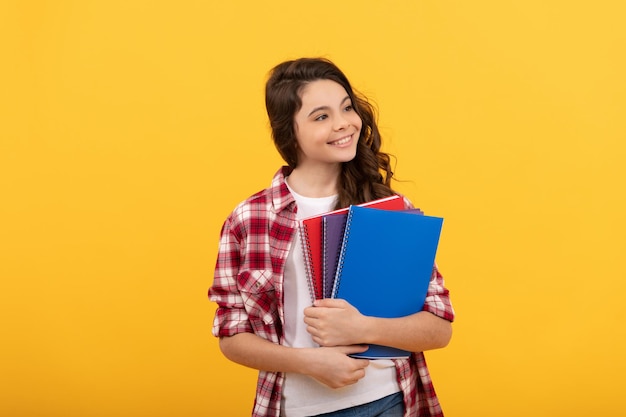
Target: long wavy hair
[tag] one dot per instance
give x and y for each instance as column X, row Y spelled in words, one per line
column 366, row 177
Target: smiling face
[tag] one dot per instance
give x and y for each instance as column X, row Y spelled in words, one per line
column 327, row 126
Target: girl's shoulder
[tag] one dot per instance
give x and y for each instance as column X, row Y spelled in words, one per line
column 408, row 204
column 257, row 204
column 264, row 204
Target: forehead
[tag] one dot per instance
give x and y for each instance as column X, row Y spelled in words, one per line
column 322, row 92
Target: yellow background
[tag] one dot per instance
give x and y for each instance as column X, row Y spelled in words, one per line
column 129, row 129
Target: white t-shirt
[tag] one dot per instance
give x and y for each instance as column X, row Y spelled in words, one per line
column 303, row 395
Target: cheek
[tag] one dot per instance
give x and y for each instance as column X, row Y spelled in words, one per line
column 357, row 122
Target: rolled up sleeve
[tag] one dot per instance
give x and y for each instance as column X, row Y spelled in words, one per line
column 231, row 316
column 438, row 297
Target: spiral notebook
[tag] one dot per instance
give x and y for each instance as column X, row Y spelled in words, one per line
column 333, row 227
column 311, row 238
column 385, row 265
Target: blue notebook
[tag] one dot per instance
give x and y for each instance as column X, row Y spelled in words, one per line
column 311, row 237
column 385, row 265
column 333, row 228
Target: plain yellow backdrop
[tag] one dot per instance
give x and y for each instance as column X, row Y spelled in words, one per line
column 130, row 128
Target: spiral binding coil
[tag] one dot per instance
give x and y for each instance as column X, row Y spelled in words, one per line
column 324, row 258
column 342, row 253
column 308, row 259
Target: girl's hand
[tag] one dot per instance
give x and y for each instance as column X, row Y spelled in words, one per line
column 333, row 367
column 335, row 322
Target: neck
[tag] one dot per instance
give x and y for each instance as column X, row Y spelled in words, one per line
column 314, row 183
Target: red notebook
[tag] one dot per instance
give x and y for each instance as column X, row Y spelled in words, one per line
column 311, row 236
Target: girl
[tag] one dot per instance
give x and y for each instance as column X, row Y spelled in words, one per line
column 328, row 137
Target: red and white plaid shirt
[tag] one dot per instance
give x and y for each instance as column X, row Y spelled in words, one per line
column 248, row 289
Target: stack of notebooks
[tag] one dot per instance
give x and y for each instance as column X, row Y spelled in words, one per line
column 377, row 256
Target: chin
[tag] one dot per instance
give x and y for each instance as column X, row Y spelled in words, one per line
column 348, row 158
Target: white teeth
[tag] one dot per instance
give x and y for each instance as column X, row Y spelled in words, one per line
column 342, row 141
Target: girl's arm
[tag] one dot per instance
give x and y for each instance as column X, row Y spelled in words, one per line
column 233, row 323
column 334, row 322
column 329, row 365
column 415, row 333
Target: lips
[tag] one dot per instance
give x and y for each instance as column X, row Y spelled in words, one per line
column 343, row 141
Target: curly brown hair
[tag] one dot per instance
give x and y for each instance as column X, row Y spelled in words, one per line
column 366, row 177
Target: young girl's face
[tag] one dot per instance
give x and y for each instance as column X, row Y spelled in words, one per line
column 327, row 126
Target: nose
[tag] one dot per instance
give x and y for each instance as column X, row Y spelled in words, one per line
column 341, row 123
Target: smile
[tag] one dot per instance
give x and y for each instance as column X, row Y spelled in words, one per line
column 341, row 141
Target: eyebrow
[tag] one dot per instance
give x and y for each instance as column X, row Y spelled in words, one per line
column 327, row 107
